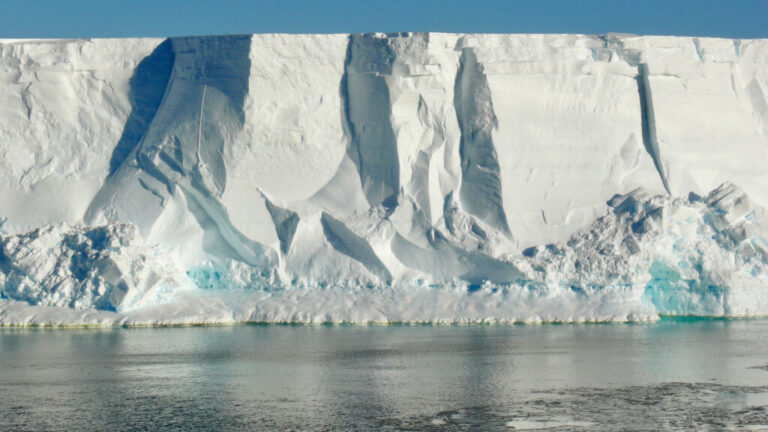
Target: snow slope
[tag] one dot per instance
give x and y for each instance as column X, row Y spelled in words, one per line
column 398, row 177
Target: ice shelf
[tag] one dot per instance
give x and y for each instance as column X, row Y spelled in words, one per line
column 382, row 177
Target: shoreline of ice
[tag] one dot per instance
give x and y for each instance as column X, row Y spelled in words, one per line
column 647, row 256
column 383, row 177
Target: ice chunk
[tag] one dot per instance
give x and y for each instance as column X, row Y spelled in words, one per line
column 105, row 267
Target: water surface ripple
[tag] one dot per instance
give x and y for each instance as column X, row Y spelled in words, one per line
column 671, row 375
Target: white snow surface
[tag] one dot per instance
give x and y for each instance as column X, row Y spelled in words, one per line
column 105, row 267
column 382, row 178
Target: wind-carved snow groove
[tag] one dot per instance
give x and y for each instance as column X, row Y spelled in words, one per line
column 419, row 184
column 480, row 191
column 697, row 46
column 200, row 123
column 649, row 122
column 149, row 85
column 182, row 148
column 613, row 45
column 758, row 101
column 367, row 118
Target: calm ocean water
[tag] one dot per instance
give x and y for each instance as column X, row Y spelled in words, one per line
column 671, row 375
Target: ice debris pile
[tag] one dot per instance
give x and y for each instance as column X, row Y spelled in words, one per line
column 106, row 267
column 382, row 177
column 682, row 256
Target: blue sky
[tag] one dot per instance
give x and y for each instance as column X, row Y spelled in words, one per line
column 124, row 18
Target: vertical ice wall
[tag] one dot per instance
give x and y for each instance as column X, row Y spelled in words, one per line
column 63, row 107
column 569, row 130
column 709, row 108
column 480, row 192
column 178, row 166
column 367, row 117
column 391, row 156
column 648, row 116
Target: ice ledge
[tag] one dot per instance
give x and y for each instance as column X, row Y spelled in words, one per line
column 360, row 306
column 648, row 255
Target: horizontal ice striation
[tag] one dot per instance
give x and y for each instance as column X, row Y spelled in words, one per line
column 388, row 177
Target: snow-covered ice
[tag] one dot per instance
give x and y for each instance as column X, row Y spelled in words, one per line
column 382, row 177
column 105, row 268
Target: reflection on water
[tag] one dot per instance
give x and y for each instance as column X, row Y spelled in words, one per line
column 669, row 375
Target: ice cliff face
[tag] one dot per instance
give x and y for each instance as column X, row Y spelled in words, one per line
column 384, row 177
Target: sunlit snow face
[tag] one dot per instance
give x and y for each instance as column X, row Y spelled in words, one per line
column 400, row 176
